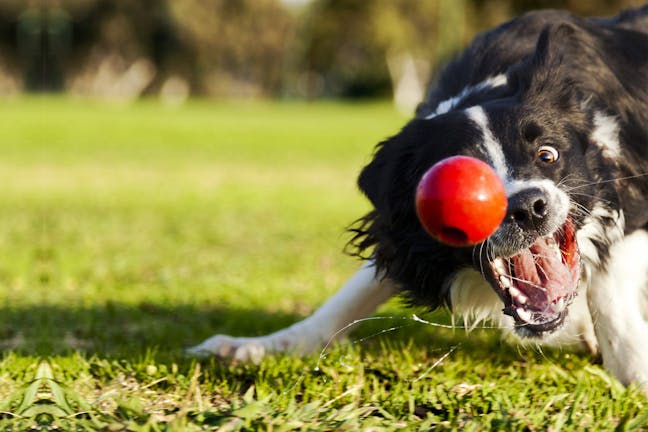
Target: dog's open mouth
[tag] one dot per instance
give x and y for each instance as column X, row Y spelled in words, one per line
column 539, row 282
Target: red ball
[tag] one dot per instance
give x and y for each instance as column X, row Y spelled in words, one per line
column 461, row 201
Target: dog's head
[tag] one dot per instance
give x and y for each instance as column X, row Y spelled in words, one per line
column 553, row 148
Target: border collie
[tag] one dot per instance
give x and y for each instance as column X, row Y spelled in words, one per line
column 557, row 105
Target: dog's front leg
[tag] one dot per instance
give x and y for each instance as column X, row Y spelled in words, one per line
column 616, row 299
column 359, row 297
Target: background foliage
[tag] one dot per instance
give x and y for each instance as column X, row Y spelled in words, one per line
column 242, row 48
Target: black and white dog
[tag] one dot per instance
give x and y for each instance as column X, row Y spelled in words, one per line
column 558, row 106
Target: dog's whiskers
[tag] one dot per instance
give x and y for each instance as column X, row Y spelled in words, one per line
column 580, row 209
column 528, row 283
column 587, row 184
column 571, row 193
column 541, row 256
column 569, row 178
column 544, row 272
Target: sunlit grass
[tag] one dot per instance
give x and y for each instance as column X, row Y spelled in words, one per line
column 130, row 233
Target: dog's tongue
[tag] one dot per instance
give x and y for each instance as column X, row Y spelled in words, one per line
column 541, row 274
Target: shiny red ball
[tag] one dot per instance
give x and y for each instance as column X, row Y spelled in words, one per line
column 461, row 201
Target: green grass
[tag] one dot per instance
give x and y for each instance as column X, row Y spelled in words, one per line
column 129, row 234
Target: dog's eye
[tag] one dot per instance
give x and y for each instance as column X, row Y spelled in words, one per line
column 548, row 154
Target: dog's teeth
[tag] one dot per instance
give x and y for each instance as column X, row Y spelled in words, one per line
column 506, row 282
column 560, row 305
column 517, row 295
column 499, row 266
column 524, row 314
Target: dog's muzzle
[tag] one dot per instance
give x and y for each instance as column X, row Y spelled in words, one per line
column 534, row 260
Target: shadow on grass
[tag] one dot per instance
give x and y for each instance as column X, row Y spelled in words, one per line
column 125, row 330
column 129, row 332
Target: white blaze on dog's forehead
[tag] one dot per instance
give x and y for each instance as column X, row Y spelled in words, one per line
column 546, row 185
column 448, row 104
column 606, row 135
column 490, row 145
column 557, row 197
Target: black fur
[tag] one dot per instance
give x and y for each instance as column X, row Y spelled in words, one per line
column 561, row 70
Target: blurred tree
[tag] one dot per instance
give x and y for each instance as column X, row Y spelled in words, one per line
column 338, row 47
column 12, row 71
column 332, row 48
column 122, row 49
column 369, row 47
column 242, row 45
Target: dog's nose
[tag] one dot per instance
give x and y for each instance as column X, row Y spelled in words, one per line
column 528, row 208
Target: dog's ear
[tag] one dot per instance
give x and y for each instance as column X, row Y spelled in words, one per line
column 547, row 71
column 375, row 179
column 391, row 176
column 390, row 179
column 555, row 43
column 569, row 65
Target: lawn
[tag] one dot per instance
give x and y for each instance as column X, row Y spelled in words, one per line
column 130, row 233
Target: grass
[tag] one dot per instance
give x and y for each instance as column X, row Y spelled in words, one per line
column 129, row 234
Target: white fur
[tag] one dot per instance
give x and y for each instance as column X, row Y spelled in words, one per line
column 490, row 145
column 606, row 135
column 593, row 231
column 549, row 187
column 475, row 301
column 617, row 301
column 448, row 104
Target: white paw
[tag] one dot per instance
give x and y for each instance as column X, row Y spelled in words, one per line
column 245, row 349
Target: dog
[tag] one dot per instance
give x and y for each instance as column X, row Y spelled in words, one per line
column 557, row 105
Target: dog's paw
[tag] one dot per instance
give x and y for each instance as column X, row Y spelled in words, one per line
column 245, row 349
column 300, row 339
